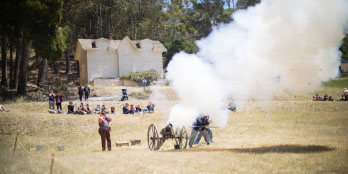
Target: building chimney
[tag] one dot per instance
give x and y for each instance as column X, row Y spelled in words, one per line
column 110, row 36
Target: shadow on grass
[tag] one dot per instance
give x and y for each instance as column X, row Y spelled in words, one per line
column 263, row 149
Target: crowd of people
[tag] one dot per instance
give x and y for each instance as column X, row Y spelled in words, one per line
column 56, row 99
column 84, row 109
column 200, row 127
column 344, row 97
column 131, row 109
column 320, row 98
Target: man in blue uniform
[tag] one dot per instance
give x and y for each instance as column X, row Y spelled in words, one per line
column 200, row 126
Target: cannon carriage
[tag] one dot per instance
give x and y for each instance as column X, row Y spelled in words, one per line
column 155, row 139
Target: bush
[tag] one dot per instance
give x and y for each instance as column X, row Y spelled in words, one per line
column 151, row 75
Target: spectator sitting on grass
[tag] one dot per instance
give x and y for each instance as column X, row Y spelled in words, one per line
column 326, row 98
column 318, row 98
column 112, row 110
column 330, row 98
column 71, row 108
column 132, row 108
column 88, row 110
column 150, row 107
column 138, row 109
column 2, row 108
column 342, row 98
column 126, row 110
column 103, row 109
column 97, row 109
column 345, row 93
column 81, row 109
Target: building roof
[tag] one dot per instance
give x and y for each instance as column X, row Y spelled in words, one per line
column 114, row 44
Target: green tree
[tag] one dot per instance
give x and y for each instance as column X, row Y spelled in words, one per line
column 49, row 48
column 175, row 46
column 205, row 14
column 39, row 20
column 344, row 48
column 243, row 4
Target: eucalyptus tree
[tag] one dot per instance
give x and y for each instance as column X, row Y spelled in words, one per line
column 39, row 21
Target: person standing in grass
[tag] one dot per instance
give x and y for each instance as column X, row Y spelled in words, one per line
column 51, row 97
column 80, row 92
column 59, row 100
column 87, row 91
column 104, row 130
column 143, row 82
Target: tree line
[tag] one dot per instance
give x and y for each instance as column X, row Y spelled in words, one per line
column 50, row 28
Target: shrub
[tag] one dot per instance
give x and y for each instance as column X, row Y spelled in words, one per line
column 151, row 75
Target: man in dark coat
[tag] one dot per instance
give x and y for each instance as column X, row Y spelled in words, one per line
column 80, row 91
column 87, row 91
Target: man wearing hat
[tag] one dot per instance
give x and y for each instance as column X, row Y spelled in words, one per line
column 345, row 93
column 201, row 126
column 104, row 130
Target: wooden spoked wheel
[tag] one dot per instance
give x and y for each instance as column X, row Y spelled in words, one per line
column 153, row 137
column 183, row 138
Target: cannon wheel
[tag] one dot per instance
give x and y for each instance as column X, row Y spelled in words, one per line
column 153, row 139
column 183, row 138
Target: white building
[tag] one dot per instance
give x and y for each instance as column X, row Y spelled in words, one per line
column 103, row 58
column 344, row 65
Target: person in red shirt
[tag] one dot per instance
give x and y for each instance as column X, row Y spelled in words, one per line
column 59, row 99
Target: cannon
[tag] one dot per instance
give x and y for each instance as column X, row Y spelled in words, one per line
column 156, row 139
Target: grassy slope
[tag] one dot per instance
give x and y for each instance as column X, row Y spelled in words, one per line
column 252, row 142
column 337, row 83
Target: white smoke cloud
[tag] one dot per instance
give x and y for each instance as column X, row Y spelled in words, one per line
column 275, row 46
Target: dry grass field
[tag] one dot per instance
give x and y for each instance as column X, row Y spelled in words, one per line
column 295, row 135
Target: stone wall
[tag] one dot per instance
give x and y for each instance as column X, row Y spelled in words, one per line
column 99, row 82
